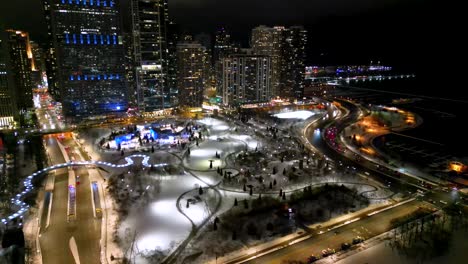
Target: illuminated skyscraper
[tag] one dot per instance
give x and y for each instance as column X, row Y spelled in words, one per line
column 38, row 65
column 172, row 71
column 246, row 78
column 286, row 47
column 21, row 68
column 192, row 61
column 85, row 58
column 222, row 47
column 8, row 110
column 268, row 41
column 293, row 62
column 150, row 21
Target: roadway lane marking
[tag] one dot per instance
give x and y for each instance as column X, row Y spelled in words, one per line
column 391, row 207
column 74, row 250
column 49, row 210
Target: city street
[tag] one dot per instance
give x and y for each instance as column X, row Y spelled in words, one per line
column 367, row 227
column 86, row 229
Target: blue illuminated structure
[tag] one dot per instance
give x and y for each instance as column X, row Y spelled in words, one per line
column 124, row 138
column 20, row 207
column 85, row 38
column 154, row 134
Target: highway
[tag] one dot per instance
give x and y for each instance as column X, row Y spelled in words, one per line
column 54, row 240
column 86, row 229
column 367, row 227
column 396, row 181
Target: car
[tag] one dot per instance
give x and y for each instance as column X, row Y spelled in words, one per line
column 311, row 259
column 357, row 240
column 345, row 246
column 327, row 252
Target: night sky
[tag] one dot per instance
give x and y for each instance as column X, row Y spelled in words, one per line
column 340, row 31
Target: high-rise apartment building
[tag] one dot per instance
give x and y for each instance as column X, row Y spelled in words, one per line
column 130, row 70
column 222, row 47
column 222, row 44
column 38, row 65
column 268, row 41
column 192, row 60
column 8, row 110
column 173, row 35
column 246, row 78
column 286, row 47
column 85, row 58
column 293, row 62
column 150, row 21
column 21, row 67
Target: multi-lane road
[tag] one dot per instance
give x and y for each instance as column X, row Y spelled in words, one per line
column 86, row 230
column 366, row 227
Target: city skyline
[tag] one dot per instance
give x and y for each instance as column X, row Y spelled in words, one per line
column 372, row 23
column 228, row 132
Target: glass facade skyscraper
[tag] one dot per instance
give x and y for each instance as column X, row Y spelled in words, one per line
column 293, row 63
column 8, row 110
column 222, row 47
column 286, row 47
column 86, row 57
column 150, row 21
column 21, row 67
column 268, row 41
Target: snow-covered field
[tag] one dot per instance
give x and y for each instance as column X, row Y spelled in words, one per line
column 156, row 224
column 163, row 223
column 295, row 115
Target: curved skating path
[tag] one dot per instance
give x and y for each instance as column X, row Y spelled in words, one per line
column 217, row 188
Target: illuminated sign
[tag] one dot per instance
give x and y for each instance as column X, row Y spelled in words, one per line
column 151, row 67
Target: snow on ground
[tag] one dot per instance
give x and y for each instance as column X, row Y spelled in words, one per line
column 247, row 140
column 199, row 158
column 161, row 225
column 295, row 115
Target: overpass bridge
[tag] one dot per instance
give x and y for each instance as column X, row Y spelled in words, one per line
column 89, row 124
column 22, row 207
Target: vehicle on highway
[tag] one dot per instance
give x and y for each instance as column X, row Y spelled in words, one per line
column 345, row 246
column 327, row 252
column 311, row 259
column 357, row 240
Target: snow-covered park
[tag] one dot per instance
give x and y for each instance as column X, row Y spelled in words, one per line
column 161, row 210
